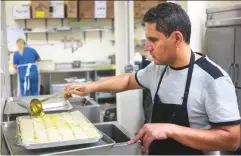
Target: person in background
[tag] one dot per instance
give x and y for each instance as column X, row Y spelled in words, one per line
column 24, row 61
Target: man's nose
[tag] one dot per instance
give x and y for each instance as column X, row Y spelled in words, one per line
column 148, row 46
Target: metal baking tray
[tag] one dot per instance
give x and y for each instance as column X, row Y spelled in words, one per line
column 101, row 147
column 54, row 144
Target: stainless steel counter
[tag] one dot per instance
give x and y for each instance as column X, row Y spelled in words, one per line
column 49, row 77
column 112, row 129
column 71, row 70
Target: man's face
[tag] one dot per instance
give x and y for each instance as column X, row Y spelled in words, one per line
column 162, row 49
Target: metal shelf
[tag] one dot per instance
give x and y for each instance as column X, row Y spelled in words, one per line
column 72, row 30
column 47, row 31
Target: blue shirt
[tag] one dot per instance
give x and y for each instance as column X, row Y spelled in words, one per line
column 30, row 55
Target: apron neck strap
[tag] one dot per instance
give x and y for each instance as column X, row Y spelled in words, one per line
column 189, row 78
column 159, row 83
column 188, row 82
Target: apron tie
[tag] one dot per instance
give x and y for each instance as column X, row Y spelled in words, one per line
column 26, row 84
column 27, row 79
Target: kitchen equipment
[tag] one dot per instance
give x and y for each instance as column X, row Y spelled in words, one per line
column 112, row 59
column 56, row 88
column 113, row 142
column 76, row 64
column 222, row 42
column 121, row 136
column 57, row 105
column 75, row 141
column 9, row 130
column 110, row 115
column 85, row 105
column 63, row 65
column 36, row 108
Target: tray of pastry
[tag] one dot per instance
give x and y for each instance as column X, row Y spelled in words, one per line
column 55, row 130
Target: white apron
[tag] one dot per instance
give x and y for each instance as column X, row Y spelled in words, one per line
column 27, row 78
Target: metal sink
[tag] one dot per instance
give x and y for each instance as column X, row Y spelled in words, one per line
column 121, row 137
column 111, row 129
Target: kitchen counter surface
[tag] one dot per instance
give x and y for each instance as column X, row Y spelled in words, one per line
column 68, row 70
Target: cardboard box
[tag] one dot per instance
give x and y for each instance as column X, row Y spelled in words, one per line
column 56, row 9
column 96, row 9
column 40, row 9
column 110, row 9
column 86, row 9
column 137, row 8
column 72, row 9
column 21, row 11
column 141, row 7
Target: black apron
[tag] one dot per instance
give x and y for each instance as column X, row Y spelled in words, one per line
column 172, row 113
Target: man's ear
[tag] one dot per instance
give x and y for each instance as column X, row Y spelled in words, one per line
column 178, row 38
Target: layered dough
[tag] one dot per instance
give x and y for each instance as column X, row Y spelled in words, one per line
column 56, row 127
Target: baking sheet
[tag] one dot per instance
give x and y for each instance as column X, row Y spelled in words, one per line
column 54, row 144
column 102, row 147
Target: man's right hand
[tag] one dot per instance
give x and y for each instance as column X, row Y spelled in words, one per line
column 82, row 91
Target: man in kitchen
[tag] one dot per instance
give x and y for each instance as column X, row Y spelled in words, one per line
column 195, row 107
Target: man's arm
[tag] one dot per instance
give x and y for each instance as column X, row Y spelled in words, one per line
column 114, row 84
column 225, row 138
column 220, row 101
column 220, row 138
column 129, row 81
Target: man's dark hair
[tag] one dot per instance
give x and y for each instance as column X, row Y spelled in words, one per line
column 169, row 17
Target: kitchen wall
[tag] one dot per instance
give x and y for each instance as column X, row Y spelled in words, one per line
column 92, row 49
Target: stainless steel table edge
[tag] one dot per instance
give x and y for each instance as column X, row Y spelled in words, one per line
column 8, row 145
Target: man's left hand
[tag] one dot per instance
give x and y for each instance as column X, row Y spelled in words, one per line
column 151, row 132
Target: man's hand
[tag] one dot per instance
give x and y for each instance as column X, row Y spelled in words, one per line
column 219, row 138
column 150, row 132
column 82, row 91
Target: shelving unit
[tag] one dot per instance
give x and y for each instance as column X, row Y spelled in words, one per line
column 47, row 31
column 72, row 26
column 72, row 30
